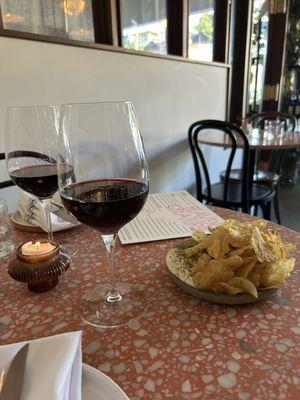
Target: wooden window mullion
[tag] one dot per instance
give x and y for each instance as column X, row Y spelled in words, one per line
column 240, row 46
column 221, row 27
column 275, row 56
column 1, row 20
column 177, row 29
column 106, row 25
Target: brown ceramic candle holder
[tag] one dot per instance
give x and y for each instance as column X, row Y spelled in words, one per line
column 40, row 272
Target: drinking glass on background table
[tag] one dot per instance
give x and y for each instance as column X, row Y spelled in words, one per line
column 275, row 128
column 31, row 139
column 6, row 243
column 101, row 142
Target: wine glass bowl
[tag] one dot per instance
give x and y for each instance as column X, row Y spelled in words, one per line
column 105, row 204
column 102, row 145
column 39, row 178
column 31, row 146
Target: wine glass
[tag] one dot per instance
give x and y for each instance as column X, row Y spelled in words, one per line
column 102, row 144
column 31, row 140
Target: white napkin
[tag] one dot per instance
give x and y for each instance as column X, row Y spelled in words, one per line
column 53, row 367
column 32, row 211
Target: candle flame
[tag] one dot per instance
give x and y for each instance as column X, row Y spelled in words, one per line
column 37, row 245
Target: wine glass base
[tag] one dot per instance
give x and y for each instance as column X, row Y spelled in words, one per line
column 96, row 311
column 70, row 249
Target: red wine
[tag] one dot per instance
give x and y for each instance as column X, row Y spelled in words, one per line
column 105, row 205
column 39, row 180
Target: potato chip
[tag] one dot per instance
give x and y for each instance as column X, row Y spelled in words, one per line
column 248, row 253
column 238, row 234
column 186, row 244
column 196, row 249
column 224, row 287
column 275, row 274
column 215, row 271
column 288, row 248
column 198, row 235
column 201, row 265
column 214, row 250
column 246, row 268
column 204, row 258
column 259, row 224
column 225, row 248
column 254, row 277
column 198, row 268
column 262, row 248
column 238, row 258
column 203, row 280
column 244, row 284
column 220, row 271
column 282, row 250
column 240, row 251
column 219, row 233
column 233, row 261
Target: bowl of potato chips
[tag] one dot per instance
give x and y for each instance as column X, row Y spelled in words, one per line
column 237, row 263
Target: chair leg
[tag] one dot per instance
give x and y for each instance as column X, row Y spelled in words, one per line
column 276, row 206
column 266, row 209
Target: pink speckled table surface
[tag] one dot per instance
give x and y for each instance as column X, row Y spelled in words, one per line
column 183, row 348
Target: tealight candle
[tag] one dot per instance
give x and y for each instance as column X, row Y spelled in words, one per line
column 37, row 248
column 39, row 264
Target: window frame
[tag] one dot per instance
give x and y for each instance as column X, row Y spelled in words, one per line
column 108, row 31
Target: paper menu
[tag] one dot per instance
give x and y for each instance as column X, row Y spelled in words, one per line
column 168, row 216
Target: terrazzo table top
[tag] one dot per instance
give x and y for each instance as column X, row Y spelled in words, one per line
column 183, row 348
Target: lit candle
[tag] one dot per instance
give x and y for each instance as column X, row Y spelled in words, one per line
column 37, row 248
column 39, row 264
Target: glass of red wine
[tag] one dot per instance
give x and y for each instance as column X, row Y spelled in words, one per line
column 31, row 142
column 101, row 143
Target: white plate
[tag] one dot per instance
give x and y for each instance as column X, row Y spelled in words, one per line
column 97, row 386
column 176, row 258
column 26, row 226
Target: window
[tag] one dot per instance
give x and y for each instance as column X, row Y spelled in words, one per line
column 158, row 26
column 201, row 29
column 144, row 25
column 259, row 44
column 72, row 19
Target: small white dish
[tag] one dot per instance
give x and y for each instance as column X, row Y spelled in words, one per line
column 98, row 386
column 26, row 226
column 22, row 225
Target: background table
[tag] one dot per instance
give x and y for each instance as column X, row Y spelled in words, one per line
column 183, row 348
column 257, row 141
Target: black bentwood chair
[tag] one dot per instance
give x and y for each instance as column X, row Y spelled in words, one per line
column 228, row 194
column 5, row 184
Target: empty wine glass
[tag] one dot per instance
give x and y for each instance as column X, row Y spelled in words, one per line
column 101, row 143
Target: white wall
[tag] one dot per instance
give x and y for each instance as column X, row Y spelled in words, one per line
column 168, row 95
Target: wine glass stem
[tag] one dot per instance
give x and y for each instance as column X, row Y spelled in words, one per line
column 112, row 295
column 48, row 218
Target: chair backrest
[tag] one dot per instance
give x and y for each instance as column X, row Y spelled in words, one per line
column 289, row 120
column 4, row 184
column 236, row 135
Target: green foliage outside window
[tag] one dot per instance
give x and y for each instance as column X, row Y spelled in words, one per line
column 206, row 26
